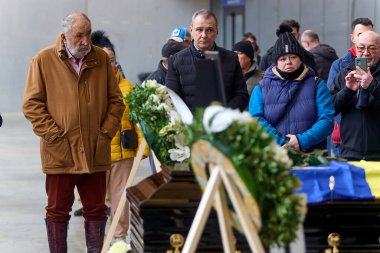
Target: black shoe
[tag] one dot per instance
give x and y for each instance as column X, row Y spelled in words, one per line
column 78, row 212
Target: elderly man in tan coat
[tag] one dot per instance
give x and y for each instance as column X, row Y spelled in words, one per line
column 74, row 104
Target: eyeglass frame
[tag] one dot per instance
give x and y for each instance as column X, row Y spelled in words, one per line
column 371, row 49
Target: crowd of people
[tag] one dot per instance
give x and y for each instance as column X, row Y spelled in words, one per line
column 293, row 89
column 73, row 100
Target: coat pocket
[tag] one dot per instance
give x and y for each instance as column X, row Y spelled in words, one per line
column 103, row 151
column 56, row 154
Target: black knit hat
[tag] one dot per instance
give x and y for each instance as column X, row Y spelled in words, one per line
column 286, row 43
column 244, row 47
column 171, row 48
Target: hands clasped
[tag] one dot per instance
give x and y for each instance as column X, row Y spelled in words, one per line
column 293, row 141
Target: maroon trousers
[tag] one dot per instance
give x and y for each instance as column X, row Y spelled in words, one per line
column 60, row 192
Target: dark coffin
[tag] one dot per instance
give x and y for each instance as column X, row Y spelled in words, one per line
column 164, row 204
column 357, row 222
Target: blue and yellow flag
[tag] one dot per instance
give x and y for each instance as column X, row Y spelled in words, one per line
column 352, row 181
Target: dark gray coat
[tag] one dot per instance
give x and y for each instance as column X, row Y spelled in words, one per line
column 182, row 77
column 360, row 126
column 324, row 56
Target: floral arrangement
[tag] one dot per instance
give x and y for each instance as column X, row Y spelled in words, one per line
column 315, row 158
column 119, row 247
column 151, row 106
column 262, row 165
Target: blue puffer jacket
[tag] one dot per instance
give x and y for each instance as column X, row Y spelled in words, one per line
column 338, row 65
column 311, row 116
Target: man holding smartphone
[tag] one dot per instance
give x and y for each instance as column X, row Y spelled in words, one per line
column 358, row 26
column 356, row 95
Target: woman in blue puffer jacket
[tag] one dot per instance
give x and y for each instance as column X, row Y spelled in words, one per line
column 290, row 101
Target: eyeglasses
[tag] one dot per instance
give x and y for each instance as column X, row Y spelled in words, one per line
column 370, row 49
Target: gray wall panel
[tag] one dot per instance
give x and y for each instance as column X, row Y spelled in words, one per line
column 337, row 28
column 312, row 17
column 27, row 27
column 289, row 9
column 269, row 20
column 362, row 8
column 251, row 16
column 139, row 28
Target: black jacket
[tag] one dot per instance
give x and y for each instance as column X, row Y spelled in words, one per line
column 159, row 75
column 359, row 128
column 182, row 76
column 267, row 60
column 324, row 56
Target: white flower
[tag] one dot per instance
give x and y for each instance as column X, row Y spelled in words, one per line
column 218, row 118
column 180, row 154
column 161, row 90
column 150, row 84
column 174, row 117
column 119, row 247
column 281, row 155
column 163, row 106
column 181, row 107
column 154, row 98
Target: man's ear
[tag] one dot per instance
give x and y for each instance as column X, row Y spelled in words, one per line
column 352, row 37
column 63, row 37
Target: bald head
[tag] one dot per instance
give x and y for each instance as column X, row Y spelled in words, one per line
column 310, row 39
column 367, row 46
column 369, row 35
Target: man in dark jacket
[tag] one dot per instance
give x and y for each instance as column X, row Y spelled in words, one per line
column 324, row 55
column 169, row 49
column 358, row 26
column 268, row 59
column 182, row 72
column 356, row 95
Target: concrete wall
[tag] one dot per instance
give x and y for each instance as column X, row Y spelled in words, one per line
column 331, row 19
column 138, row 28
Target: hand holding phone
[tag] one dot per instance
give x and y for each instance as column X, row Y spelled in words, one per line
column 361, row 63
column 363, row 75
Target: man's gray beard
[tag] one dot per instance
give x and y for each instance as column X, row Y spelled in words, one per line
column 75, row 52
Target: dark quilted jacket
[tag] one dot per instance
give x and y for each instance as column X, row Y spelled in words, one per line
column 159, row 75
column 181, row 77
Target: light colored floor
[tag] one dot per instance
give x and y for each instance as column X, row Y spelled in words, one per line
column 22, row 192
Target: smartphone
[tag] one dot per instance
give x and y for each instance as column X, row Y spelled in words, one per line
column 361, row 62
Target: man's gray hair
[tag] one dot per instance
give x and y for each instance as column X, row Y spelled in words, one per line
column 205, row 13
column 69, row 20
column 312, row 35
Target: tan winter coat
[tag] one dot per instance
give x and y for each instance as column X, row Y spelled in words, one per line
column 75, row 116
